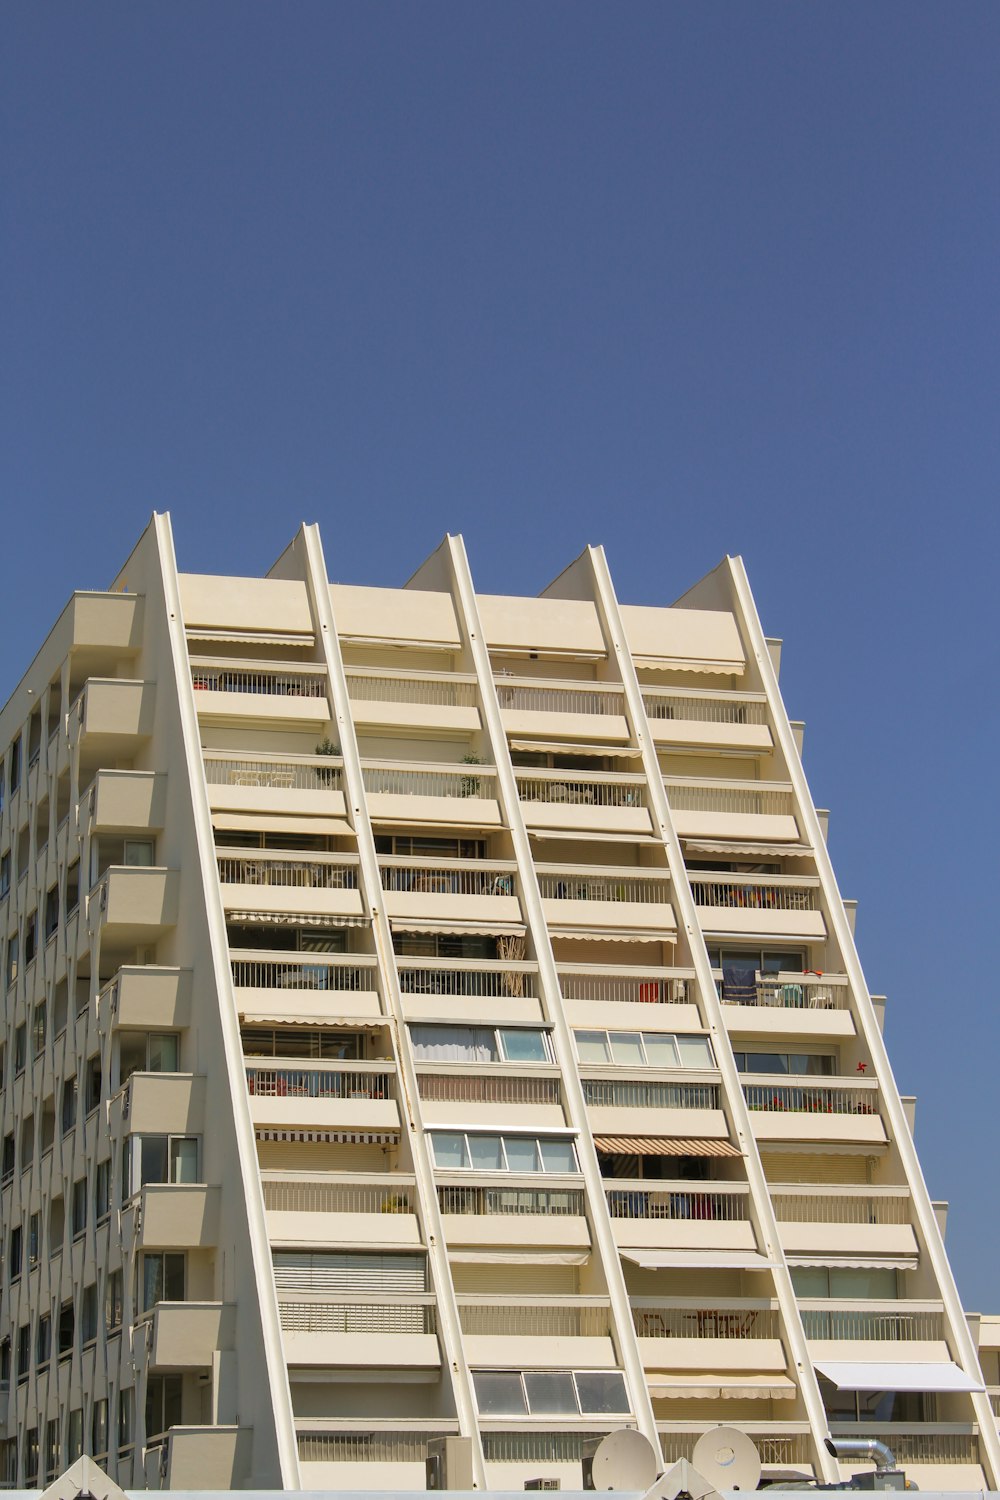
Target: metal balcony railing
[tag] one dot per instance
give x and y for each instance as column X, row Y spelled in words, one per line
column 348, row 1195
column 270, row 679
column 603, row 885
column 600, row 789
column 378, row 1447
column 792, row 992
column 320, row 872
column 757, row 893
column 854, row 1207
column 735, row 1321
column 487, row 1088
column 423, row 977
column 677, row 1200
column 894, row 1324
column 629, row 1094
column 549, row 1319
column 312, row 973
column 322, row 773
column 435, row 690
column 811, row 1099
column 360, row 1081
column 410, row 1315
column 429, row 781
column 774, row 1448
column 447, row 877
column 722, row 708
column 536, row 1447
column 685, row 795
column 506, row 1201
column 559, row 698
column 622, row 986
column 911, row 1445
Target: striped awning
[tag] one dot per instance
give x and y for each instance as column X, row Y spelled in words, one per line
column 458, row 929
column 762, row 851
column 254, row 637
column 856, row 1262
column 519, row 1257
column 612, row 935
column 734, row 1384
column 715, row 1260
column 589, row 836
column 276, row 1017
column 662, row 1145
column 296, row 919
column 332, row 1137
column 547, row 747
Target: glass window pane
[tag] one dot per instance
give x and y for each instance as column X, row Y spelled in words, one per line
column 521, row 1045
column 449, row 1044
column 152, row 1280
column 805, row 1062
column 522, row 1153
column 173, row 1278
column 485, row 1154
column 138, row 852
column 602, row 1391
column 162, row 1052
column 184, row 1159
column 558, row 1156
column 626, row 1048
column 767, row 1062
column 131, row 1054
column 661, row 1051
column 781, row 963
column 499, row 1394
column 878, row 1282
column 696, row 1052
column 449, row 1149
column 592, row 1046
column 153, row 1158
column 551, row 1392
column 810, row 1281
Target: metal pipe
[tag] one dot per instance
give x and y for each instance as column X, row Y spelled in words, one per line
column 866, row 1447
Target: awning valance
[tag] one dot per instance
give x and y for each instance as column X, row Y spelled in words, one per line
column 876, row 1375
column 611, row 935
column 762, row 851
column 855, row 1262
column 519, row 1257
column 263, row 823
column 318, row 1018
column 713, row 1260
column 295, row 919
column 253, row 638
column 550, row 747
column 588, row 836
column 458, row 929
column 692, row 1385
column 332, row 1137
column 661, row 1145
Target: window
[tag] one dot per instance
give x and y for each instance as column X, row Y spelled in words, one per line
column 88, row 1314
column 8, row 1448
column 138, row 852
column 31, row 938
column 51, row 912
column 79, row 1206
column 52, row 1449
column 126, row 1404
column 102, row 1191
column 33, row 1246
column 95, row 1082
column 644, row 1049
column 38, row 1030
column 877, row 1406
column 798, row 1063
column 15, row 764
column 74, row 1435
column 512, row 1393
column 146, row 1052
column 67, row 1329
column 158, row 1158
column 163, row 1404
column 31, row 1458
column 57, row 1225
column 503, row 1153
column 20, row 1047
column 8, row 1157
column 13, row 958
column 162, row 1278
column 4, row 874
column 23, row 1351
column 68, row 1105
column 4, row 1362
column 14, row 1256
column 472, row 1044
column 73, row 887
column 304, row 1041
column 43, row 1341
column 99, row 1429
column 763, row 961
column 847, row 1281
column 113, row 1299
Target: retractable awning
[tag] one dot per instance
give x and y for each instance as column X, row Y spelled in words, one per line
column 608, row 935
column 550, row 747
column 263, row 823
column 331, row 1137
column 714, row 1260
column 689, row 1385
column 763, row 851
column 296, row 919
column 458, row 929
column 254, row 638
column 519, row 1257
column 662, row 1145
column 856, row 1262
column 304, row 1018
column 875, row 1375
column 588, row 836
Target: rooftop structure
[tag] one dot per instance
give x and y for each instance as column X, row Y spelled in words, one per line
column 433, row 1014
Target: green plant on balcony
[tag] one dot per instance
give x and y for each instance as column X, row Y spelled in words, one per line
column 326, row 775
column 396, row 1203
column 470, row 785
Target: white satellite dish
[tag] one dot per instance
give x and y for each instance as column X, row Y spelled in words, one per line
column 728, row 1458
column 624, row 1460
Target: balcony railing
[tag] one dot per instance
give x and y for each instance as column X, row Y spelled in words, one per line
column 378, row 1447
column 599, row 789
column 774, row 1448
column 454, row 1198
column 687, row 1321
column 322, row 773
column 757, row 893
column 848, row 1206
column 423, row 977
column 487, row 1088
column 728, row 797
column 559, row 698
column 384, row 1194
column 811, row 1099
column 792, row 992
column 326, row 873
column 913, row 1445
column 273, row 680
column 629, row 1094
column 358, row 1081
column 623, row 986
column 312, row 973
column 448, row 877
column 436, row 690
column 893, row 1324
column 677, row 1200
column 549, row 1319
column 429, row 781
column 410, row 1314
column 603, row 885
column 712, row 708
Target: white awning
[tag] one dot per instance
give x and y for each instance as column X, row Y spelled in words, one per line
column 318, row 1018
column 715, row 1260
column 296, row 919
column 616, row 935
column 549, row 747
column 519, row 1257
column 856, row 1262
column 685, row 664
column 254, row 638
column 327, row 1137
column 262, row 823
column 691, row 1385
column 864, row 1375
column 763, row 851
column 588, row 836
column 458, row 929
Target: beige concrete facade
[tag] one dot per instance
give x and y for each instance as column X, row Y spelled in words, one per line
column 430, row 1013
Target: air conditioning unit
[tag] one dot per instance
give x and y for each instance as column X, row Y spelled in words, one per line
column 449, row 1463
column 543, row 1484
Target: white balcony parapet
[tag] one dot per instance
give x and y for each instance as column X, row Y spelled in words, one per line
column 506, row 1201
column 337, row 1193
column 627, row 1093
column 284, row 679
column 328, row 872
column 605, row 883
column 303, row 773
column 412, row 1313
column 390, row 685
column 289, row 971
column 416, row 779
column 622, row 985
column 340, row 1080
column 449, row 877
column 551, row 1317
column 525, row 693
column 699, row 794
column 756, row 892
column 487, row 1088
column 827, row 1097
column 705, row 707
column 589, row 789
column 896, row 1322
column 802, row 1204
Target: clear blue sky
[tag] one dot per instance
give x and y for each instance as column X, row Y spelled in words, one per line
column 685, row 278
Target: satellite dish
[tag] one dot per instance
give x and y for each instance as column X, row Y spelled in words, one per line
column 728, row 1458
column 624, row 1460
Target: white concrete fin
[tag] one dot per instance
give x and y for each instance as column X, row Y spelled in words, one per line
column 83, row 1478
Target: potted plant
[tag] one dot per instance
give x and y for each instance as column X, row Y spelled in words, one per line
column 327, row 775
column 470, row 784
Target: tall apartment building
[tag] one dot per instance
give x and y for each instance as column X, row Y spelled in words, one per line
column 432, row 1013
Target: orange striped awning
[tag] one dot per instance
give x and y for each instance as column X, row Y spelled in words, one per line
column 662, row 1145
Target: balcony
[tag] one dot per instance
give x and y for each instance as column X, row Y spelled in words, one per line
column 618, row 899
column 341, row 1096
column 629, row 1106
column 390, row 698
column 161, row 1104
column 904, row 1331
column 588, row 712
column 113, row 715
column 936, row 1455
column 454, row 890
column 126, row 801
column 594, row 802
column 391, row 1458
column 134, row 904
column 621, row 997
column 829, row 1111
column 513, row 1214
column 467, row 990
column 280, row 987
column 396, row 1332
column 805, row 1005
column 147, row 996
column 779, row 1444
column 680, row 1215
column 373, row 1211
column 186, row 1335
column 707, row 719
column 260, row 692
column 704, row 808
column 731, row 1335
column 844, row 1220
column 179, row 1216
column 199, row 1458
column 303, row 786
column 321, row 885
column 449, row 1093
column 759, row 906
column 504, row 1333
column 446, row 796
